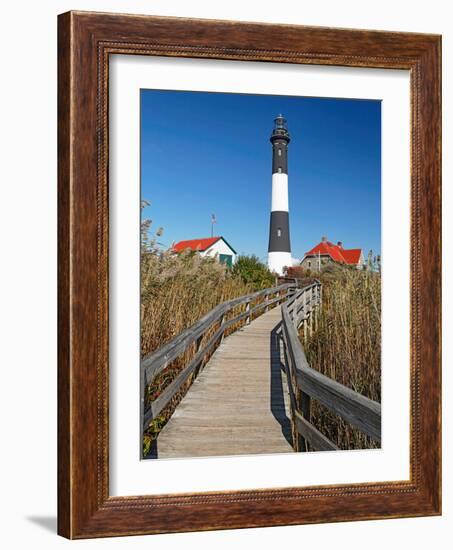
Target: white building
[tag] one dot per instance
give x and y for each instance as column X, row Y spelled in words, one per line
column 210, row 246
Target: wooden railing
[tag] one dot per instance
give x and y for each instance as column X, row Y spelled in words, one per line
column 202, row 338
column 304, row 383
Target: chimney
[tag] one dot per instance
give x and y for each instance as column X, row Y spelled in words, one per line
column 340, row 244
column 324, row 239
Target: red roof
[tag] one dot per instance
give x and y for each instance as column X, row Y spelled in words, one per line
column 352, row 256
column 195, row 244
column 336, row 252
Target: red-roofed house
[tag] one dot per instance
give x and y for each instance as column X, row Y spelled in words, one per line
column 326, row 253
column 210, row 246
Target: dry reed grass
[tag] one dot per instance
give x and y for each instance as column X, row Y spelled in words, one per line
column 347, row 347
column 176, row 291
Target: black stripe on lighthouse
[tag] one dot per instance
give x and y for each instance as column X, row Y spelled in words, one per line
column 279, row 232
column 280, row 157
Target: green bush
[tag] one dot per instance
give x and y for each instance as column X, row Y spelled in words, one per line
column 253, row 272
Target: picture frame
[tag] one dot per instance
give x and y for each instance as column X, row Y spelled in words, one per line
column 85, row 42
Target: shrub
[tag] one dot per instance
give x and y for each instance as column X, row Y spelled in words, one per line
column 297, row 272
column 252, row 272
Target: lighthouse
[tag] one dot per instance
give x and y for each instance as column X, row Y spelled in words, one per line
column 279, row 244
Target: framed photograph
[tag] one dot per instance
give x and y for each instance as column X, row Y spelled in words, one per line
column 249, row 275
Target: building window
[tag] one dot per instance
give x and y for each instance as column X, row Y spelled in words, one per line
column 279, row 232
column 309, row 264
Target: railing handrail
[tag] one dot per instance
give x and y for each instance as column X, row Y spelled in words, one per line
column 353, row 407
column 156, row 362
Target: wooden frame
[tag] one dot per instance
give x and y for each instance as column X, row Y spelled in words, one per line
column 85, row 42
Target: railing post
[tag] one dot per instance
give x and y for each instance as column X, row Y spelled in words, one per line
column 266, row 309
column 142, row 408
column 293, row 313
column 305, row 314
column 247, row 309
column 200, row 364
column 198, row 343
column 316, row 289
column 312, row 310
column 301, row 306
column 304, row 407
column 222, row 322
column 295, row 394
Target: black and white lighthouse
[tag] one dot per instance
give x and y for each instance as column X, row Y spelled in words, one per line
column 279, row 243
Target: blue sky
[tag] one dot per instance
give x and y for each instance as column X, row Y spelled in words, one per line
column 204, row 153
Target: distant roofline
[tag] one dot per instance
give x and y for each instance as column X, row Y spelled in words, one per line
column 217, row 239
column 227, row 243
column 343, row 252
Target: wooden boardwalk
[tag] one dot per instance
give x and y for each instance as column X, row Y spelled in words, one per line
column 239, row 403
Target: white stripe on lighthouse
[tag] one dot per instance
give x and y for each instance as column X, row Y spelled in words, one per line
column 280, row 192
column 276, row 261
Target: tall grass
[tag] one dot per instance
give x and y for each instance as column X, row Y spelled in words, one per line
column 347, row 347
column 176, row 291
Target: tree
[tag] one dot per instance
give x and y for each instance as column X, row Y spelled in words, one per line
column 253, row 272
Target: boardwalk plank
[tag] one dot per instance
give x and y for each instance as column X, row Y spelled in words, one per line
column 238, row 404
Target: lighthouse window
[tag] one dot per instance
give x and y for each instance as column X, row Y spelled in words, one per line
column 279, row 232
column 279, row 152
column 279, row 170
